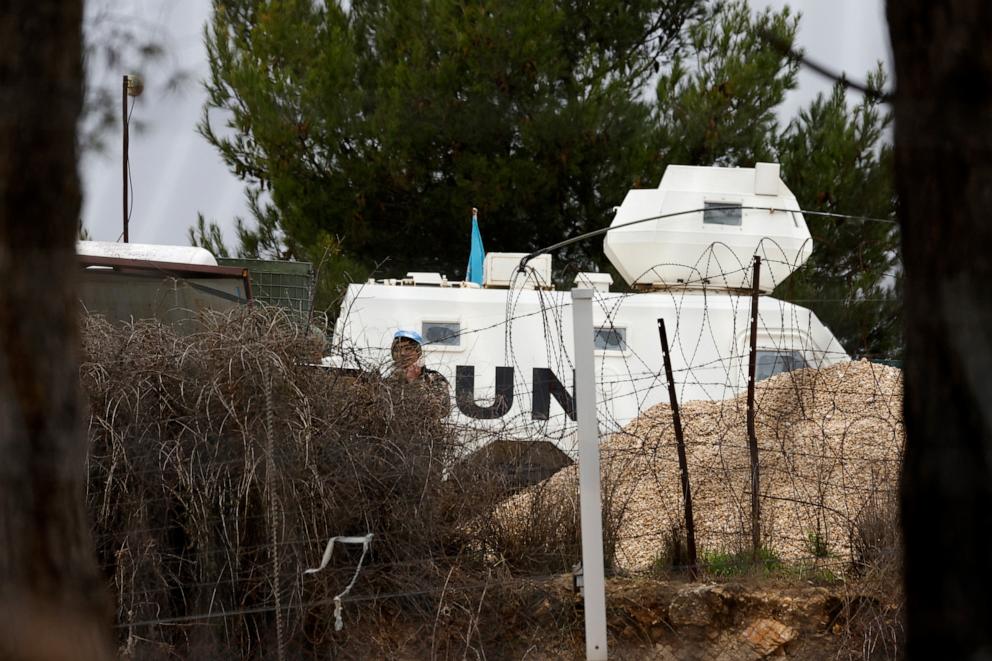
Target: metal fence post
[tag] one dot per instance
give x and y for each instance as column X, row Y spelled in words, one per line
column 752, row 437
column 589, row 487
column 690, row 526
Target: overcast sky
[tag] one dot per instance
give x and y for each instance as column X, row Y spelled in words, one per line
column 176, row 173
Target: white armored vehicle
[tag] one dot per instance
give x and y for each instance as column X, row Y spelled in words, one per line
column 505, row 346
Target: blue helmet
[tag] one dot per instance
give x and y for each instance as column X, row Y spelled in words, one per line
column 409, row 335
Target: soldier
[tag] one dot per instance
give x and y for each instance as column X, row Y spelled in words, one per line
column 408, row 368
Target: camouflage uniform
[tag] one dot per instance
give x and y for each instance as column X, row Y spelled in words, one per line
column 430, row 385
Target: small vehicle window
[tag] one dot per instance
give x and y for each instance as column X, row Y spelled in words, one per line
column 610, row 338
column 444, row 333
column 721, row 213
column 770, row 363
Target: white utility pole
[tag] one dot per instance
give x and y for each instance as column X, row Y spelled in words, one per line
column 593, row 575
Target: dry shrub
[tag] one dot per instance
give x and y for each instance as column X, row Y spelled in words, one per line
column 875, row 545
column 873, row 615
column 674, row 553
column 222, row 461
column 538, row 530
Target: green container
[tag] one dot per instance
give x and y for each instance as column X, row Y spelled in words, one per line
column 286, row 284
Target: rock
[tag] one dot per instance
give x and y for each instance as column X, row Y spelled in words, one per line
column 664, row 653
column 699, row 606
column 542, row 610
column 766, row 636
column 812, row 611
column 729, row 647
column 644, row 616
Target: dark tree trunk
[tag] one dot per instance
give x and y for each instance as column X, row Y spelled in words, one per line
column 943, row 152
column 52, row 602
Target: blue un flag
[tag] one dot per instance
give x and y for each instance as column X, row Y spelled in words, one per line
column 473, row 272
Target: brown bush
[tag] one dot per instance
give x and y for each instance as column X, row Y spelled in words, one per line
column 222, row 461
column 538, row 529
column 875, row 540
column 873, row 615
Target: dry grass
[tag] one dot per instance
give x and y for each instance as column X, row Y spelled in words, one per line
column 538, row 531
column 874, row 626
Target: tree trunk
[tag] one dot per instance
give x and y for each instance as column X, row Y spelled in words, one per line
column 52, row 598
column 943, row 153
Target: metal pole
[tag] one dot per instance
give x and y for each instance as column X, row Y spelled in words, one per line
column 752, row 437
column 589, row 490
column 690, row 526
column 124, row 163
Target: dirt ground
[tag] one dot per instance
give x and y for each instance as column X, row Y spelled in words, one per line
column 648, row 618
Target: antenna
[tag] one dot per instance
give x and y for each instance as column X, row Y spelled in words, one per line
column 132, row 86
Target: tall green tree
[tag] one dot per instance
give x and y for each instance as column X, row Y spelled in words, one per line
column 384, row 124
column 716, row 103
column 366, row 134
column 836, row 159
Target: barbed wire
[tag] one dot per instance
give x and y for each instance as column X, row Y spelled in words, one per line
column 831, row 443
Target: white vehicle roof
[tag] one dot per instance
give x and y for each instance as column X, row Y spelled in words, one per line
column 507, row 352
column 147, row 252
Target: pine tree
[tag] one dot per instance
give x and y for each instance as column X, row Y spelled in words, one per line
column 384, row 124
column 836, row 159
column 368, row 133
column 716, row 104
